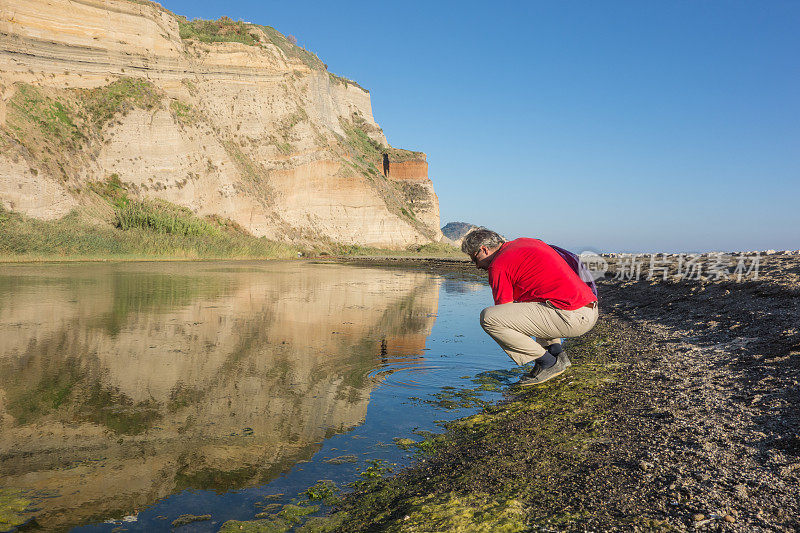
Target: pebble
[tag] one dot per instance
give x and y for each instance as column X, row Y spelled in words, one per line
column 697, row 517
column 728, row 518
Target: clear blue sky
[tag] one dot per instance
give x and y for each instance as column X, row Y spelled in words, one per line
column 634, row 126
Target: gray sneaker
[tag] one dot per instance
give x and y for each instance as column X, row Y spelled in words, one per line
column 540, row 375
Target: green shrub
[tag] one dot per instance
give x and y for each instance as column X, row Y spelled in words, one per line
column 185, row 113
column 162, row 217
column 102, row 103
column 362, row 143
column 214, row 31
column 112, row 190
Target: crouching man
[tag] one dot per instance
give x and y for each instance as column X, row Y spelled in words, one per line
column 536, row 294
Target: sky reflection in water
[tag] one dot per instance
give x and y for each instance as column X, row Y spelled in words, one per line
column 151, row 390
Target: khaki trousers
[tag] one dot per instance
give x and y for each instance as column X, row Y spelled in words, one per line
column 513, row 324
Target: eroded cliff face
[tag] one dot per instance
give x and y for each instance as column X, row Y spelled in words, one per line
column 260, row 133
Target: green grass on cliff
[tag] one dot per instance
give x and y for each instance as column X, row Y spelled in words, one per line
column 292, row 50
column 77, row 237
column 184, row 113
column 362, row 144
column 222, row 30
column 432, row 249
column 371, row 150
column 48, row 128
column 227, row 30
column 335, row 78
column 163, row 217
column 112, row 190
column 157, row 215
column 59, row 127
column 53, row 117
column 44, row 124
column 121, row 96
column 153, row 228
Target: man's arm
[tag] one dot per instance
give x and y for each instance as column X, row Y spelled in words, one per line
column 502, row 289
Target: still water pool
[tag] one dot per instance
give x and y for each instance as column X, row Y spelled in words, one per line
column 133, row 393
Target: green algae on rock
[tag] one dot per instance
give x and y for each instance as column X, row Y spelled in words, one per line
column 342, row 459
column 324, row 490
column 184, row 519
column 284, row 520
column 455, row 513
column 404, row 444
column 13, row 508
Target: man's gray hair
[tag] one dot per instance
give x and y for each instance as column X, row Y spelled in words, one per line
column 475, row 239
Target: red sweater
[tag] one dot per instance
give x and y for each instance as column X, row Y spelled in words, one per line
column 528, row 270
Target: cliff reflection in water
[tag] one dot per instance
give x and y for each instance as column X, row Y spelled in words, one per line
column 122, row 384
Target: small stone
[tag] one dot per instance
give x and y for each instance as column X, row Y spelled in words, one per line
column 403, row 443
column 697, row 517
column 728, row 518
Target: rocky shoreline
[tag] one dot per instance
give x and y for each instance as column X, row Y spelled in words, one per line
column 714, row 409
column 680, row 412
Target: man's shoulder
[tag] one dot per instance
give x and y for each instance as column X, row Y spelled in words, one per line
column 523, row 244
column 529, row 241
column 514, row 252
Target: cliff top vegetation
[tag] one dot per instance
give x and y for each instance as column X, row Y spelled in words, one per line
column 225, row 29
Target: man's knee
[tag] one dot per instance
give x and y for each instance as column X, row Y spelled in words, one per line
column 483, row 317
column 488, row 317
